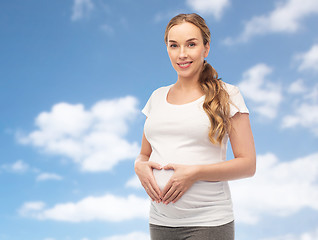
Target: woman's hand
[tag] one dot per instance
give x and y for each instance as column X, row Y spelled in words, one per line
column 182, row 179
column 144, row 172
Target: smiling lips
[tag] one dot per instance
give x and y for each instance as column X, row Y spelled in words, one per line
column 184, row 64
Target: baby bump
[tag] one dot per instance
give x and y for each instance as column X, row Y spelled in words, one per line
column 162, row 177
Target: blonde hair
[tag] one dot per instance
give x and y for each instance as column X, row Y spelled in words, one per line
column 216, row 103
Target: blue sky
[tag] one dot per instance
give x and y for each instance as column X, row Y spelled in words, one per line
column 74, row 76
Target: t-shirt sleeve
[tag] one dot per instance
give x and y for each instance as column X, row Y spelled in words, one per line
column 237, row 103
column 147, row 108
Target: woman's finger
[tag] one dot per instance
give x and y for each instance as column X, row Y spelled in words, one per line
column 168, row 195
column 172, row 197
column 170, row 166
column 165, row 190
column 155, row 187
column 155, row 165
column 177, row 197
column 155, row 196
column 150, row 193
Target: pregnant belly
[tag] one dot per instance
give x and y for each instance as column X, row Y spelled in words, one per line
column 162, row 177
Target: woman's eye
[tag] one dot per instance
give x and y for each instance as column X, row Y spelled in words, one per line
column 173, row 45
column 191, row 44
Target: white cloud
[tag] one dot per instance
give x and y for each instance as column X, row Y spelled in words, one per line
column 92, row 138
column 308, row 60
column 305, row 111
column 107, row 29
column 48, row 176
column 31, row 208
column 130, row 236
column 17, row 167
column 81, row 8
column 278, row 188
column 215, row 7
column 105, row 208
column 285, row 18
column 305, row 115
column 297, row 87
column 264, row 95
column 304, row 236
column 134, row 182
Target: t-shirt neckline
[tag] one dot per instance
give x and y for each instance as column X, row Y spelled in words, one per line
column 180, row 105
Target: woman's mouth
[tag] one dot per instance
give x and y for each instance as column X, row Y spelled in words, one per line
column 184, row 64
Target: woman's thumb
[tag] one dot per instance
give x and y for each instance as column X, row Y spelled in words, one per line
column 169, row 167
column 156, row 165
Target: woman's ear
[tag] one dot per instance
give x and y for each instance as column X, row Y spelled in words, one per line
column 207, row 49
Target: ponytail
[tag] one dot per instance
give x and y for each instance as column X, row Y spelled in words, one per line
column 216, row 103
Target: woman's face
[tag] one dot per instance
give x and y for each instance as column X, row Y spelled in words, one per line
column 186, row 50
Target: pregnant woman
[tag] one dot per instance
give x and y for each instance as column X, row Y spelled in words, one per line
column 182, row 164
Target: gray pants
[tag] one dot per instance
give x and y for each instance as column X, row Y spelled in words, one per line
column 223, row 232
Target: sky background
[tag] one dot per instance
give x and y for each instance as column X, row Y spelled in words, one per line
column 74, row 75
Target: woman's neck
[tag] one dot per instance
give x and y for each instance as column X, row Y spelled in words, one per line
column 186, row 84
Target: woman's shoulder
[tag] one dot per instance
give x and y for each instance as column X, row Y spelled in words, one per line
column 230, row 88
column 161, row 90
column 237, row 103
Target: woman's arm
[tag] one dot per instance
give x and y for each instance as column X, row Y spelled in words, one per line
column 143, row 169
column 243, row 165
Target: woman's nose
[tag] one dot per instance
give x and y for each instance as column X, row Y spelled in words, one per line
column 183, row 53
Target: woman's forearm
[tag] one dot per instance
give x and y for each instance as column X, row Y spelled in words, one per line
column 142, row 157
column 229, row 170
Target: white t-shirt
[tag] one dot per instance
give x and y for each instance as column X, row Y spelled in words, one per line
column 179, row 134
